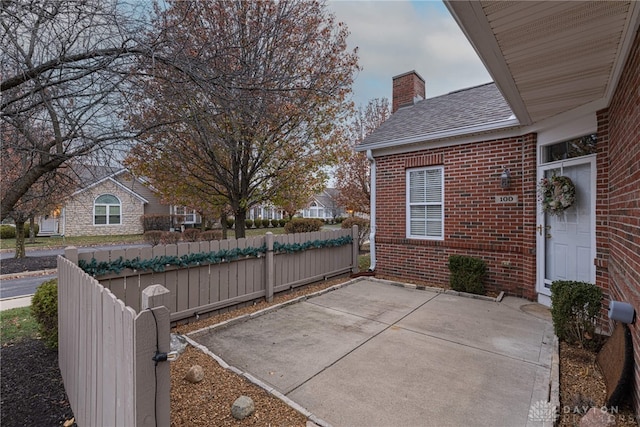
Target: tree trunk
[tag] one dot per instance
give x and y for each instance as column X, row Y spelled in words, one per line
column 240, row 224
column 20, row 253
column 32, row 230
column 223, row 223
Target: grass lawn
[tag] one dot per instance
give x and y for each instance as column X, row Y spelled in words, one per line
column 17, row 324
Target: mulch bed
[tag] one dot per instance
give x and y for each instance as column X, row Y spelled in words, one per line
column 32, row 389
column 29, row 263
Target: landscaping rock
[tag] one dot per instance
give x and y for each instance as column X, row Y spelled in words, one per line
column 597, row 418
column 242, row 407
column 195, row 374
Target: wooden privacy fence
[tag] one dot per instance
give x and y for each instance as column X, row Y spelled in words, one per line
column 106, row 352
column 207, row 276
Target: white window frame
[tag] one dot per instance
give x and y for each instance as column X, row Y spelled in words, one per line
column 409, row 204
column 189, row 216
column 107, row 209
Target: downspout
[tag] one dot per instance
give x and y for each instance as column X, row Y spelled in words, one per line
column 372, row 221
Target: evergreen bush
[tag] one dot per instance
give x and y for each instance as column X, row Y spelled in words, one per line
column 265, row 223
column 467, row 274
column 248, row 223
column 7, row 231
column 44, row 308
column 574, row 310
column 282, row 222
column 275, row 223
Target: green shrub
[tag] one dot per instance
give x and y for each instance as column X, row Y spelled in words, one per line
column 7, row 231
column 191, row 235
column 275, row 223
column 363, row 228
column 467, row 274
column 44, row 308
column 574, row 310
column 36, row 229
column 211, row 235
column 339, row 219
column 303, row 225
column 248, row 223
column 265, row 223
column 230, row 222
column 282, row 222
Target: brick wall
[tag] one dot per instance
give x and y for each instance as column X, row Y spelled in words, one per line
column 501, row 234
column 79, row 213
column 624, row 196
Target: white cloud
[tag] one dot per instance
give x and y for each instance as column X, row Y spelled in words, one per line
column 394, row 37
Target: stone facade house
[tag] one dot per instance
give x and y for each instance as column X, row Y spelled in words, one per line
column 109, row 201
column 460, row 173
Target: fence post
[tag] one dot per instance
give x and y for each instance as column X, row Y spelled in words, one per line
column 356, row 248
column 269, row 267
column 153, row 379
column 71, row 253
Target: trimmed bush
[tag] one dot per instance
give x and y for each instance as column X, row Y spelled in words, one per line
column 153, row 237
column 248, row 223
column 211, row 235
column 265, row 223
column 156, row 222
column 230, row 222
column 303, row 225
column 282, row 222
column 574, row 310
column 171, row 237
column 36, row 229
column 44, row 308
column 275, row 223
column 191, row 235
column 363, row 228
column 467, row 274
column 7, row 231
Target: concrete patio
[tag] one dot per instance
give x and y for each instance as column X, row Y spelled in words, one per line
column 374, row 354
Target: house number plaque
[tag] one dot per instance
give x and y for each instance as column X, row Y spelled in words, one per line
column 507, row 199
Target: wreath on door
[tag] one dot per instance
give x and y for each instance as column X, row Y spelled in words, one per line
column 556, row 194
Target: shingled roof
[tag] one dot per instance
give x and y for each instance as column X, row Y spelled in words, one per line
column 457, row 113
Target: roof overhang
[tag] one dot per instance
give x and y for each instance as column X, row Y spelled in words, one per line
column 550, row 57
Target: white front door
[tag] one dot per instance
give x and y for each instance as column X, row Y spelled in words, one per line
column 566, row 242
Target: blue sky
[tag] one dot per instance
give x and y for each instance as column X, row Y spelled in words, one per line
column 400, row 35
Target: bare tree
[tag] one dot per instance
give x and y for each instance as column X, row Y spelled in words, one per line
column 64, row 79
column 246, row 110
column 354, row 174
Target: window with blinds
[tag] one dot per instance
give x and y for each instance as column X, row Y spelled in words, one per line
column 425, row 203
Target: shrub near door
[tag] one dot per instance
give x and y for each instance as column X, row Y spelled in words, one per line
column 467, row 274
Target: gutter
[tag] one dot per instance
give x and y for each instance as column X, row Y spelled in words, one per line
column 372, row 213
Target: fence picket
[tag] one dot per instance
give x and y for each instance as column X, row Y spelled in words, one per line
column 194, row 278
column 183, row 280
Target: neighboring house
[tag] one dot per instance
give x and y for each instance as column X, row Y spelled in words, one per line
column 323, row 206
column 566, row 75
column 109, row 201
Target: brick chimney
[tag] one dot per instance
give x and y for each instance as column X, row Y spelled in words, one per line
column 406, row 88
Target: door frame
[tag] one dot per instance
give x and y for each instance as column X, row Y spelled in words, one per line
column 544, row 294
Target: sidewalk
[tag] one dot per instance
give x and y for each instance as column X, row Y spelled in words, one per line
column 8, row 303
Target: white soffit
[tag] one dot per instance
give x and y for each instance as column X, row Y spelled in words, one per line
column 550, row 57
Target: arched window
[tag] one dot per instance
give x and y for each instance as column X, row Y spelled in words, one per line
column 106, row 210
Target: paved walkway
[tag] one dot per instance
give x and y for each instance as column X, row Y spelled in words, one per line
column 373, row 354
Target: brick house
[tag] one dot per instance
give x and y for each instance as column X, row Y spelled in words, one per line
column 566, row 101
column 109, row 201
